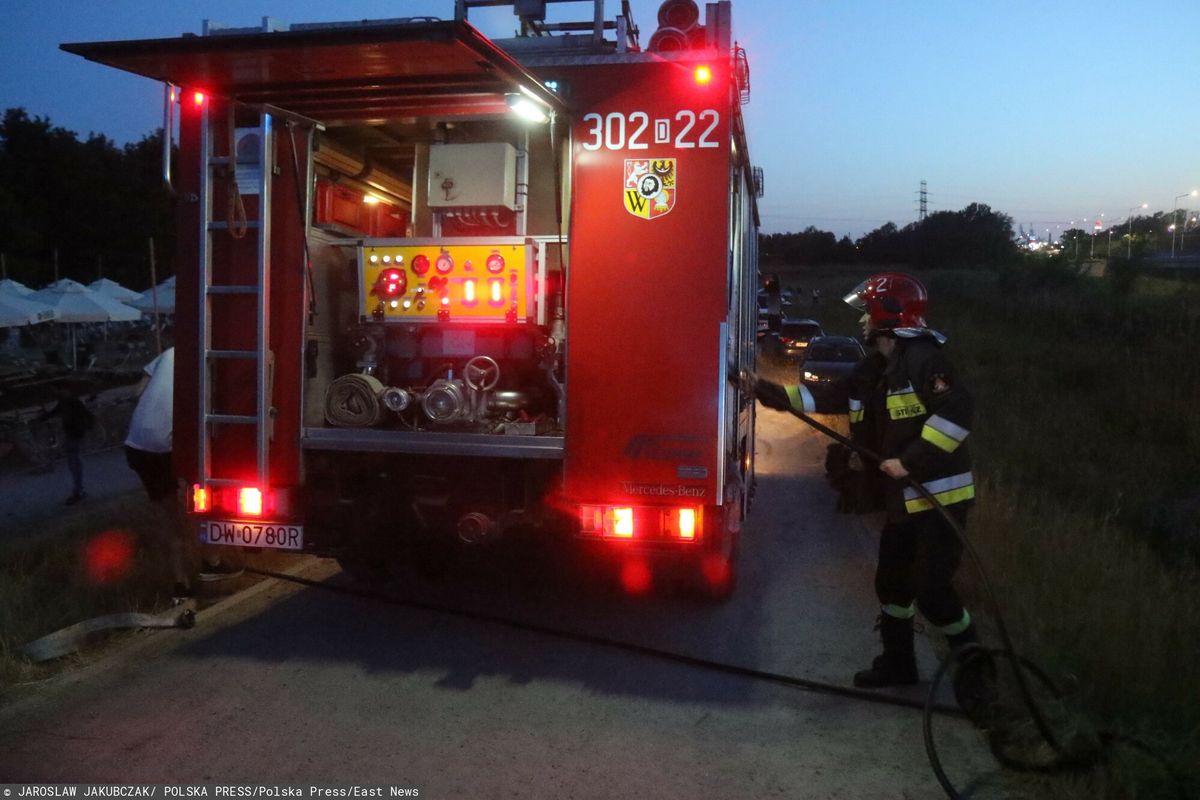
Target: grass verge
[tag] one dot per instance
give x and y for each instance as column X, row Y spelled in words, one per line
column 111, row 559
column 1088, row 519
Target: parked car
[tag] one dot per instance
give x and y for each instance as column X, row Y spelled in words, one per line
column 793, row 336
column 827, row 364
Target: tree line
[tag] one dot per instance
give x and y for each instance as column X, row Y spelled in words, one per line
column 89, row 201
column 975, row 236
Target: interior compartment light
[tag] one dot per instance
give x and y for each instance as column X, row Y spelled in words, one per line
column 525, row 108
column 250, row 501
column 370, row 199
column 201, row 501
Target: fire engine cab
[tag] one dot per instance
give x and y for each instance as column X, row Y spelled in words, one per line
column 434, row 289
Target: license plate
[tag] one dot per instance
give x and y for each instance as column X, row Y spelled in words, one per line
column 252, row 534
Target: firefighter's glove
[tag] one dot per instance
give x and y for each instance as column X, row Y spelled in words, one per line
column 772, row 395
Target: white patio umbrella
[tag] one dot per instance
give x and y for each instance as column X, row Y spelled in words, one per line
column 114, row 290
column 16, row 311
column 164, row 293
column 76, row 303
column 14, row 287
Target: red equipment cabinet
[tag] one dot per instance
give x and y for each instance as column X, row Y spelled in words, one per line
column 534, row 329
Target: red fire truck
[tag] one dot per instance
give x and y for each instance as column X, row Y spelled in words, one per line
column 434, row 288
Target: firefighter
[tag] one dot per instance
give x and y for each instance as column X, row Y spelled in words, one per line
column 909, row 406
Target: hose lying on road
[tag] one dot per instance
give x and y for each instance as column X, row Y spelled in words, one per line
column 619, row 644
column 70, row 639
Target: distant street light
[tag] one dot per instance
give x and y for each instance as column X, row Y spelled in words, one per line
column 1129, row 249
column 1095, row 227
column 1175, row 213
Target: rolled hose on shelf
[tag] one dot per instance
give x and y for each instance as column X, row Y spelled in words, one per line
column 354, row 401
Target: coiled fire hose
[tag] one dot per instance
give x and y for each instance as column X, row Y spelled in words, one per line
column 353, row 401
column 1067, row 759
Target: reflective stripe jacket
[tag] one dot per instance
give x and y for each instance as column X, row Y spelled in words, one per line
column 922, row 415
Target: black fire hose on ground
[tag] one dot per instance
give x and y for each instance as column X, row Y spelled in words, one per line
column 1067, row 760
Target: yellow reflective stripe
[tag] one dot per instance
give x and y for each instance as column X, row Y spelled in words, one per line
column 954, row 431
column 938, row 439
column 800, row 398
column 856, row 415
column 899, row 612
column 955, row 628
column 947, row 498
column 905, row 405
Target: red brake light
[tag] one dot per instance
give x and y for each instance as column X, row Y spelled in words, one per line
column 703, row 74
column 250, row 501
column 420, row 264
column 201, row 501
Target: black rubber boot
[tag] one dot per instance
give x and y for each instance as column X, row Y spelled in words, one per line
column 897, row 666
column 974, row 677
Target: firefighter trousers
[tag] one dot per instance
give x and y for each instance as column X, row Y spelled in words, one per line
column 917, row 561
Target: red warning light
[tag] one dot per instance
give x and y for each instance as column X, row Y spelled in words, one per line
column 391, row 283
column 495, row 263
column 198, row 98
column 704, row 74
column 420, row 264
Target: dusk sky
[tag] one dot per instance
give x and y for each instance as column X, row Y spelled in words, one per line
column 1049, row 112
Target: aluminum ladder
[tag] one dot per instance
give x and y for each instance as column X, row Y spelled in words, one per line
column 261, row 354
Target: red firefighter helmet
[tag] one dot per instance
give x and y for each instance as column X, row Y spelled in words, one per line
column 891, row 300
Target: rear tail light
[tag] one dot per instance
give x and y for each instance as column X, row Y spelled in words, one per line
column 641, row 523
column 201, row 502
column 622, row 525
column 241, row 502
column 687, row 523
column 250, row 501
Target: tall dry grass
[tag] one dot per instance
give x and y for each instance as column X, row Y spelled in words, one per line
column 1086, row 449
column 111, row 560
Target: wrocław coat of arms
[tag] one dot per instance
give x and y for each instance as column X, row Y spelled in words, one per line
column 649, row 186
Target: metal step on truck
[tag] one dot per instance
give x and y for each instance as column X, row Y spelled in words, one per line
column 435, row 289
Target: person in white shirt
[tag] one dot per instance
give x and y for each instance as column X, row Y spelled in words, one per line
column 148, row 453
